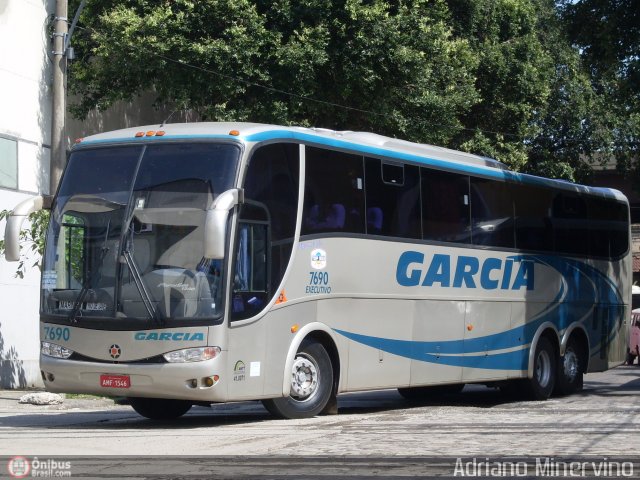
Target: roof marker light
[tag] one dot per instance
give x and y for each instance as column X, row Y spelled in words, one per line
column 151, row 133
column 78, row 140
column 160, row 133
column 139, row 134
column 235, row 133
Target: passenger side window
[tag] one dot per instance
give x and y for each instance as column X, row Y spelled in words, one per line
column 271, row 193
column 334, row 194
column 608, row 234
column 251, row 275
column 445, row 206
column 393, row 199
column 533, row 218
column 571, row 224
column 491, row 213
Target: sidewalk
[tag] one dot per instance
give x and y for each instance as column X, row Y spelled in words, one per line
column 9, row 402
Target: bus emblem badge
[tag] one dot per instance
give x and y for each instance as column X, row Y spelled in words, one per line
column 115, row 351
column 318, row 259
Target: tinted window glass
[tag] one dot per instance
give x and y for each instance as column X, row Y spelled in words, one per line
column 445, row 206
column 392, row 173
column 570, row 224
column 608, row 228
column 272, row 183
column 334, row 192
column 393, row 208
column 251, row 274
column 491, row 213
column 533, row 228
column 272, row 179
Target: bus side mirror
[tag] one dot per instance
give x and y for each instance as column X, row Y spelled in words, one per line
column 14, row 225
column 215, row 226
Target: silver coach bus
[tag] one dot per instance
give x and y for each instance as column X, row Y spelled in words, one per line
column 199, row 263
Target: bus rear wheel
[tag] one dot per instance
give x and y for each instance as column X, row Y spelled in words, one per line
column 160, row 408
column 540, row 386
column 311, row 384
column 570, row 375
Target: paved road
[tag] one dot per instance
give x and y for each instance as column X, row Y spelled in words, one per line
column 604, row 420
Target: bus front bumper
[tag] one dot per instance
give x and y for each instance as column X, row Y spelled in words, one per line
column 181, row 381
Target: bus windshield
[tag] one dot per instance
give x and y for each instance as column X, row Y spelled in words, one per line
column 126, row 239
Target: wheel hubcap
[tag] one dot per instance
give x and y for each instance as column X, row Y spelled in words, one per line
column 543, row 369
column 304, row 378
column 570, row 365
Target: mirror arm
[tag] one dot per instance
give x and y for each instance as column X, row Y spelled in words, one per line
column 14, row 225
column 216, row 222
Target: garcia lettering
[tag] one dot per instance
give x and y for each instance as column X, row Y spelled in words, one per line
column 170, row 336
column 464, row 272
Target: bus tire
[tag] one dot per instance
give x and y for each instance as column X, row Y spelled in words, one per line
column 425, row 393
column 311, row 384
column 570, row 376
column 160, row 408
column 541, row 384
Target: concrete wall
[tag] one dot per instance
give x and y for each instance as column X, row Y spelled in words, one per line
column 141, row 111
column 25, row 113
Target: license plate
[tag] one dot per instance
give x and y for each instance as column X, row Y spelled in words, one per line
column 115, row 381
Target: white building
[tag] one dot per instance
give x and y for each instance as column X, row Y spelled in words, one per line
column 25, row 125
column 25, row 137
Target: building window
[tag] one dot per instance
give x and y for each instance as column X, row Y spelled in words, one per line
column 8, row 163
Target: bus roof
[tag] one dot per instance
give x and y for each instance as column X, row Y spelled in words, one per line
column 364, row 142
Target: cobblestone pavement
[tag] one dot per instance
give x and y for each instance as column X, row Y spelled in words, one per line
column 604, row 420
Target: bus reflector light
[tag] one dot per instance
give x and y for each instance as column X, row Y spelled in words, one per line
column 187, row 355
column 469, row 327
column 295, row 328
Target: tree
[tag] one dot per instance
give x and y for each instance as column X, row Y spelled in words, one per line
column 495, row 77
column 396, row 65
column 608, row 35
column 537, row 106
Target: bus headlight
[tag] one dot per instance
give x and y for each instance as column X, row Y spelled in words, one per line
column 53, row 350
column 199, row 354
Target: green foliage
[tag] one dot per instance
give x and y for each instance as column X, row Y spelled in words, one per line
column 608, row 34
column 32, row 238
column 497, row 77
column 399, row 60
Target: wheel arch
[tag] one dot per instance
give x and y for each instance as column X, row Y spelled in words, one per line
column 326, row 337
column 549, row 331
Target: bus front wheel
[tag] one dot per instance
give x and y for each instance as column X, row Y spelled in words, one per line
column 160, row 408
column 311, row 384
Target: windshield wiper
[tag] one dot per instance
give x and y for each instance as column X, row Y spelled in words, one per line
column 146, row 296
column 77, row 305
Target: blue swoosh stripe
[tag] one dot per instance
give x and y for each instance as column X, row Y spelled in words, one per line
column 582, row 287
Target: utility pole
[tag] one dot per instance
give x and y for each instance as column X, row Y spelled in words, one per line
column 59, row 96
